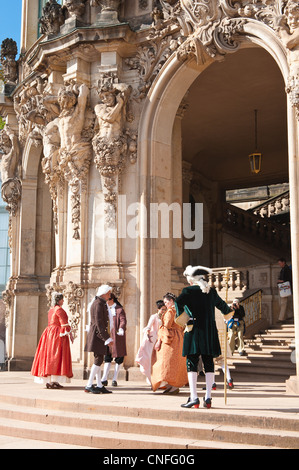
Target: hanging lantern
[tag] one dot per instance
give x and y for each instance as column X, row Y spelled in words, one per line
column 255, row 161
column 255, row 158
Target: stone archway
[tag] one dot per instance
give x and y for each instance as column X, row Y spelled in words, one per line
column 155, row 137
column 32, row 227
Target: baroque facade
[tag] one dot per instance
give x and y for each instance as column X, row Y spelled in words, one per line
column 96, row 122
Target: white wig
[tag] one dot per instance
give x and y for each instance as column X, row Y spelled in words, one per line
column 196, row 274
column 103, row 289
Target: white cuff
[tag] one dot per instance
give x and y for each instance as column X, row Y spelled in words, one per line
column 109, row 340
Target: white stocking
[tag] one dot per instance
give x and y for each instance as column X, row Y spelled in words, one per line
column 192, row 379
column 107, row 366
column 93, row 371
column 228, row 377
column 116, row 371
column 98, row 377
column 210, row 377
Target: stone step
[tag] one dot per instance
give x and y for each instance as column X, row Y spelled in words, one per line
column 260, row 371
column 268, row 353
column 263, row 361
column 109, row 431
column 214, row 416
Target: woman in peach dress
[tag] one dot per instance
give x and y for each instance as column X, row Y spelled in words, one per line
column 169, row 369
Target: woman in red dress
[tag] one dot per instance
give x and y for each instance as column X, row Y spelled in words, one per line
column 52, row 362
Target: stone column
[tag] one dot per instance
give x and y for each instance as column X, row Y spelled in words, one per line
column 292, row 385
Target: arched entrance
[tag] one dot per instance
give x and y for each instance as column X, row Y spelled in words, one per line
column 32, row 259
column 156, row 168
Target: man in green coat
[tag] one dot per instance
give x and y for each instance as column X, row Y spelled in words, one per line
column 198, row 301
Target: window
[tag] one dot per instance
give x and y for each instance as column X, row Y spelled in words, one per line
column 4, row 247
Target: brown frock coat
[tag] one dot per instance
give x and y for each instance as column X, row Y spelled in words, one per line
column 119, row 342
column 99, row 327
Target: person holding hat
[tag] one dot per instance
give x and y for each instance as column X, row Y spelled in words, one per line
column 236, row 328
column 98, row 337
column 195, row 307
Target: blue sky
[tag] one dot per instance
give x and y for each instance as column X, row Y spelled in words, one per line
column 10, row 21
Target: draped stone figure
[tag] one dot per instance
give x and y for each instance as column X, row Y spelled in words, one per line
column 111, row 141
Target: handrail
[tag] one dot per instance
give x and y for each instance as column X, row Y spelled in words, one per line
column 272, row 199
column 256, row 227
column 252, row 305
column 250, row 295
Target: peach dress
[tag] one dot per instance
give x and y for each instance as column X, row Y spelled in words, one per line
column 170, row 365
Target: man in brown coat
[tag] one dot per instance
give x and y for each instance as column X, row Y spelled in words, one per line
column 98, row 337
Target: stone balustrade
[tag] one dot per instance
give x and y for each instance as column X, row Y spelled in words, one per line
column 256, row 227
column 273, row 206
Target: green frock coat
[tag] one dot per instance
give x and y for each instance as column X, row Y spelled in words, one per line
column 203, row 338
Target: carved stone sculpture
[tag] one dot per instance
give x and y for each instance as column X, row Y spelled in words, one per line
column 52, row 18
column 109, row 10
column 75, row 8
column 75, row 154
column 11, row 185
column 9, row 51
column 10, row 154
column 110, row 144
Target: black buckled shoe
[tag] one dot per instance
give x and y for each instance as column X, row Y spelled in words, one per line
column 191, row 403
column 104, row 390
column 92, row 389
column 230, row 384
column 207, row 403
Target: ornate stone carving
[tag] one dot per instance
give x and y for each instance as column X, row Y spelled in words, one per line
column 7, row 297
column 9, row 153
column 37, row 113
column 73, row 295
column 75, row 8
column 74, row 123
column 34, row 110
column 207, row 28
column 64, row 125
column 52, row 18
column 109, row 10
column 149, row 60
column 11, row 194
column 8, row 61
column 293, row 90
column 289, row 25
column 11, row 185
column 217, row 25
column 112, row 142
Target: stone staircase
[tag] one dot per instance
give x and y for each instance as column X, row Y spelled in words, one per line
column 270, row 353
column 115, row 427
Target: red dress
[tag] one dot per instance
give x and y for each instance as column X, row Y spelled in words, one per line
column 53, row 355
